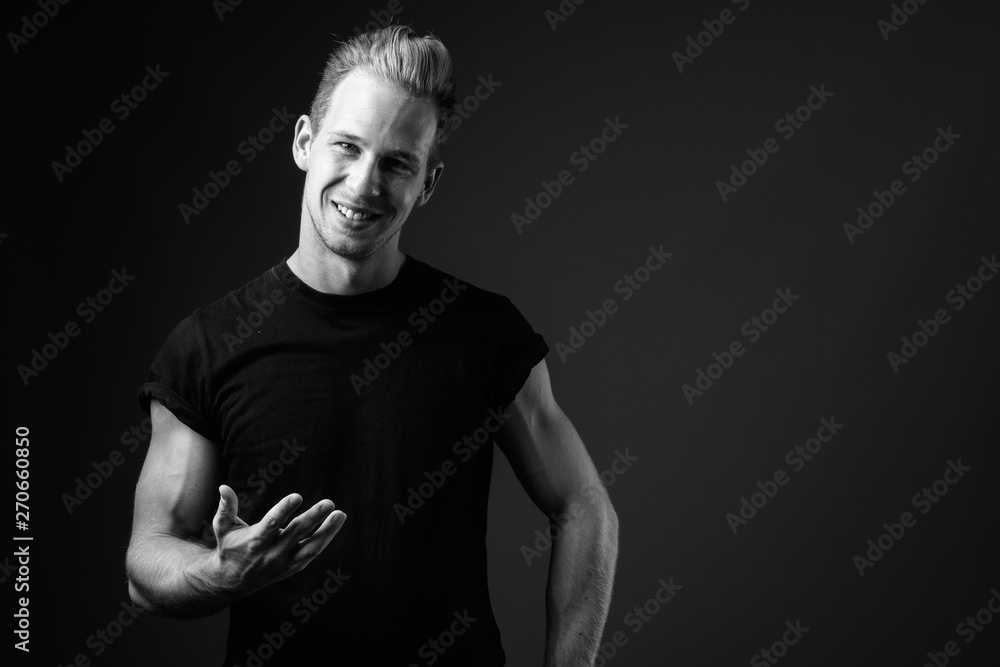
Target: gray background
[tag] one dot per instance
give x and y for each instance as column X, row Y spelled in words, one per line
column 656, row 184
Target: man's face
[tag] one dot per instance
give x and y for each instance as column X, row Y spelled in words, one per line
column 367, row 167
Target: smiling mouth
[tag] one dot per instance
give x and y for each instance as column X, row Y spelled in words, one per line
column 356, row 214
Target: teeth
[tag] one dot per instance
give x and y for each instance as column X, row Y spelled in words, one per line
column 352, row 214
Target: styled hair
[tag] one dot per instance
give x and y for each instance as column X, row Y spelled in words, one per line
column 397, row 55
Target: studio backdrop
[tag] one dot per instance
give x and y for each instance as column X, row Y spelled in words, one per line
column 760, row 239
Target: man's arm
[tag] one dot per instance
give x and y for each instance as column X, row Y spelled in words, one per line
column 552, row 464
column 177, row 568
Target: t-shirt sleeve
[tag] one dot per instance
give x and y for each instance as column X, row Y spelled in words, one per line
column 520, row 348
column 178, row 379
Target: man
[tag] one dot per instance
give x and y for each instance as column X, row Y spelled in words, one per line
column 353, row 373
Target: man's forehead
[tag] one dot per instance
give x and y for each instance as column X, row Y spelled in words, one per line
column 368, row 108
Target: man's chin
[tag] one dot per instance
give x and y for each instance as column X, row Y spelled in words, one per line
column 352, row 239
column 354, row 244
column 351, row 248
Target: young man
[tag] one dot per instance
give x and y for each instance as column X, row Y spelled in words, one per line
column 354, row 374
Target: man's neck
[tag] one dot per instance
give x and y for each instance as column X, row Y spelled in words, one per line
column 333, row 274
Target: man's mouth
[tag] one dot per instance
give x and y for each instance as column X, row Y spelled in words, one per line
column 356, row 214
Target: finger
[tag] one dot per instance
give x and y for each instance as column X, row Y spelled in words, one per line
column 225, row 516
column 313, row 545
column 304, row 524
column 277, row 516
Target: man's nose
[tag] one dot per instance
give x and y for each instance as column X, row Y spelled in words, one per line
column 364, row 178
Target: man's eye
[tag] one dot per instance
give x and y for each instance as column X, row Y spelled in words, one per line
column 351, row 148
column 400, row 166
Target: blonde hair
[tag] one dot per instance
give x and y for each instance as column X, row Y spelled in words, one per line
column 397, row 55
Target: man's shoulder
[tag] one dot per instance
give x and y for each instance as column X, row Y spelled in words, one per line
column 259, row 294
column 436, row 283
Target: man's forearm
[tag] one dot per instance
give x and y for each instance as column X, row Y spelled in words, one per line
column 169, row 576
column 581, row 575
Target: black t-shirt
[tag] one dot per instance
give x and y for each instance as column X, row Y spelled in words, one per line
column 386, row 403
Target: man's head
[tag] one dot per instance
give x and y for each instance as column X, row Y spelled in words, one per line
column 396, row 54
column 373, row 139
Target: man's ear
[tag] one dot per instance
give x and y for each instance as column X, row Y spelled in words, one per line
column 301, row 142
column 430, row 182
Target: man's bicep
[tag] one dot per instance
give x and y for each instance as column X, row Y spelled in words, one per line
column 178, row 485
column 544, row 449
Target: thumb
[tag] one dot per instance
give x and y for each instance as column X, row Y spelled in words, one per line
column 225, row 516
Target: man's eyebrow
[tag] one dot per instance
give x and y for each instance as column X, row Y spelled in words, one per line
column 337, row 135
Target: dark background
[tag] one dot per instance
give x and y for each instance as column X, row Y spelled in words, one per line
column 825, row 357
